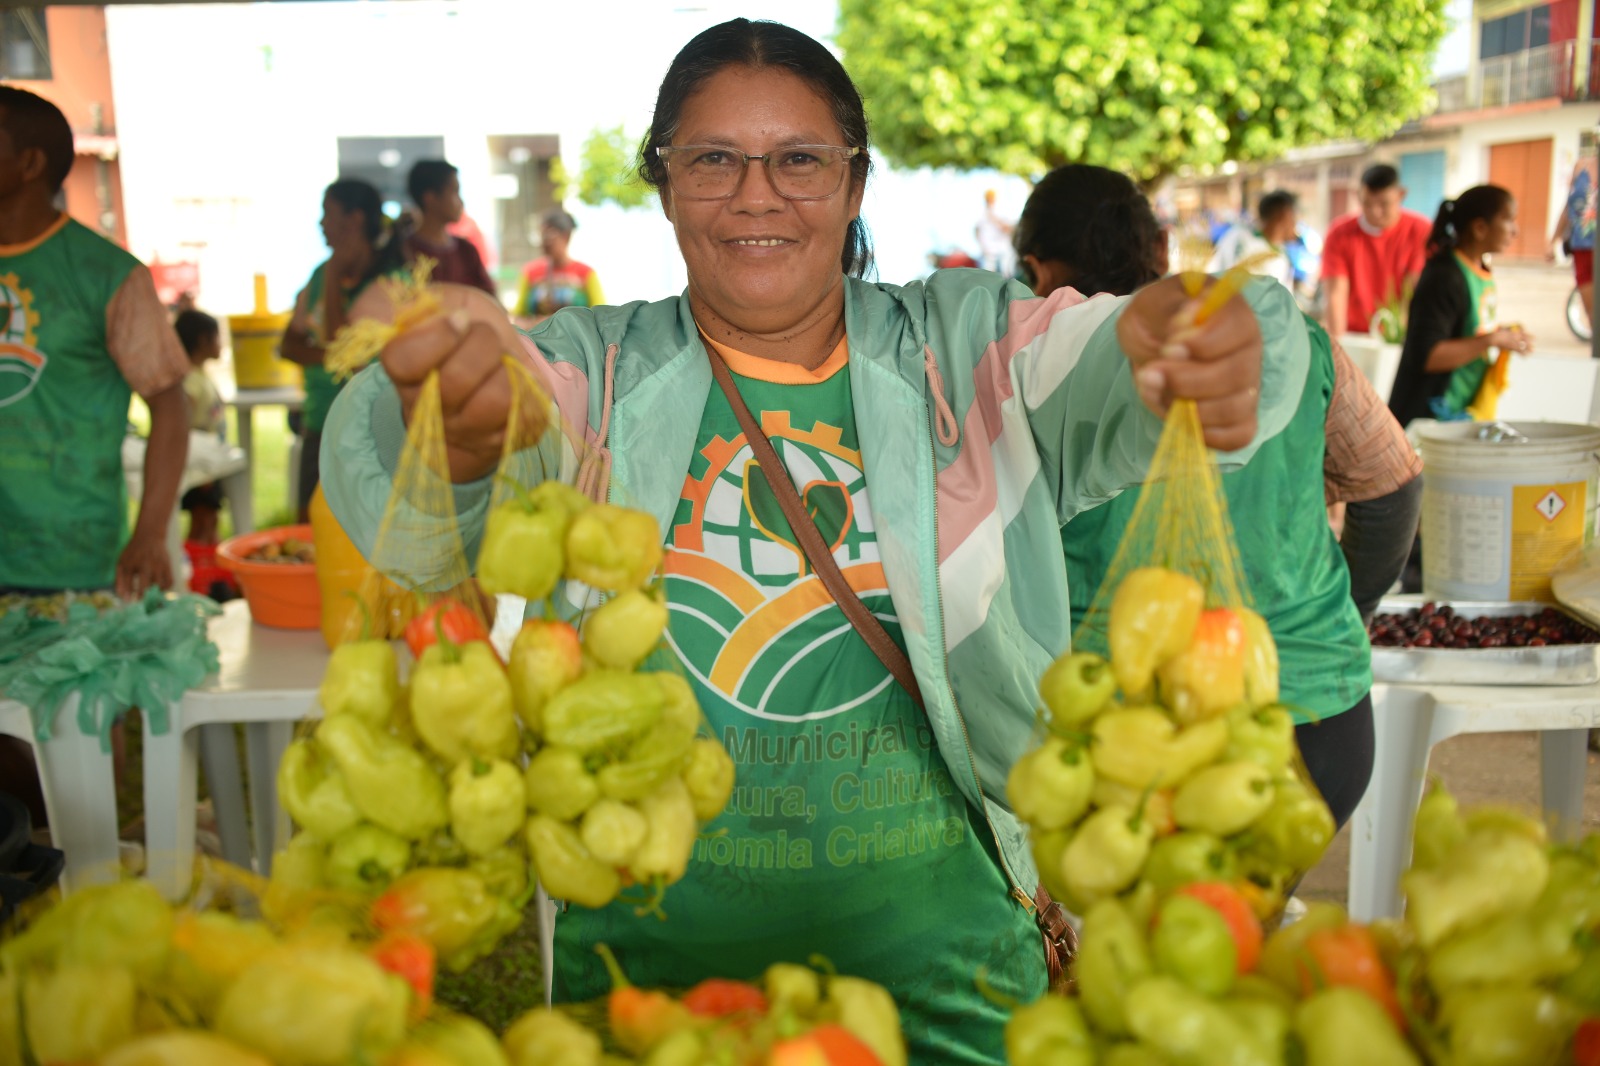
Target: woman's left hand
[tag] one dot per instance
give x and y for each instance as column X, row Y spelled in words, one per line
column 1218, row 364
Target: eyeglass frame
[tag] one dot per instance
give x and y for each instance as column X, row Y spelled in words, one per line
column 664, row 151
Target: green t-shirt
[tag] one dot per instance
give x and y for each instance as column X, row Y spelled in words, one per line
column 1482, row 306
column 63, row 413
column 1297, row 575
column 846, row 835
column 320, row 386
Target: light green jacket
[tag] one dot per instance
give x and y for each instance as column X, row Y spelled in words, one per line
column 987, row 419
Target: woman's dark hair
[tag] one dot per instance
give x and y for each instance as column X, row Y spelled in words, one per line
column 741, row 42
column 1098, row 223
column 193, row 327
column 388, row 246
column 1456, row 217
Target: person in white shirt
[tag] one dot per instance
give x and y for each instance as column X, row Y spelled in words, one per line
column 1272, row 231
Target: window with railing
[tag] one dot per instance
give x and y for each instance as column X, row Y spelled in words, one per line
column 1517, row 32
column 24, row 44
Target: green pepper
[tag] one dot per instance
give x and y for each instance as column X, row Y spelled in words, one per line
column 1582, row 985
column 504, row 870
column 1207, row 677
column 625, row 629
column 522, row 550
column 463, row 1041
column 1047, row 1032
column 365, row 858
column 1268, row 1019
column 792, row 987
column 391, row 783
column 1048, row 848
column 1112, row 958
column 1142, row 747
column 1507, row 1025
column 1295, row 830
column 1338, row 1026
column 660, row 754
column 1187, row 857
column 298, row 872
column 449, row 908
column 543, row 1037
column 304, row 1005
column 1491, row 872
column 363, row 679
column 1153, row 615
column 613, row 831
column 124, row 924
column 76, row 1013
column 1192, row 942
column 461, row 703
column 1075, row 688
column 210, row 949
column 1437, row 830
column 1223, row 799
column 10, row 1020
column 1106, row 854
column 1132, row 1055
column 487, row 804
column 604, row 710
column 545, row 658
column 709, row 777
column 613, row 548
column 664, row 855
column 557, row 784
column 566, row 868
column 1049, row 787
column 869, row 1013
column 312, row 790
column 1263, row 735
column 1523, row 947
column 1190, row 1028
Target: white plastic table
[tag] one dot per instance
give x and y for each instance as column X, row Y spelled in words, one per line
column 1410, row 720
column 267, row 679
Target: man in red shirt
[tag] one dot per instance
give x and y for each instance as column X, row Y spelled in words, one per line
column 1370, row 259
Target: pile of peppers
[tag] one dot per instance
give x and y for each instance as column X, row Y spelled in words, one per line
column 1496, row 963
column 436, row 802
column 792, row 1016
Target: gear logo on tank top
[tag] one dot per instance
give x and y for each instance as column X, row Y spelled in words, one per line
column 21, row 364
column 749, row 618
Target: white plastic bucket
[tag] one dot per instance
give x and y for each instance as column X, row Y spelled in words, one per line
column 1499, row 517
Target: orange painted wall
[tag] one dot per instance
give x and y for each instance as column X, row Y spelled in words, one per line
column 80, row 67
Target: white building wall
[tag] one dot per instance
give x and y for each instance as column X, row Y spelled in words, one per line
column 1468, row 164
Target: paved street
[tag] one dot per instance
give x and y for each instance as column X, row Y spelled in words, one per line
column 1535, row 294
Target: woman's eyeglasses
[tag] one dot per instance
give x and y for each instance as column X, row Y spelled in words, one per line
column 714, row 171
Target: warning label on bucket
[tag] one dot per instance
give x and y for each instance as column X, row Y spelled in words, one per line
column 1546, row 528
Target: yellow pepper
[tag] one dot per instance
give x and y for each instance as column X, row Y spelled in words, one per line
column 75, row 1013
column 1142, row 748
column 1153, row 615
column 1206, row 678
column 1260, row 659
column 545, row 658
column 613, row 548
column 391, row 783
column 182, row 1047
column 487, row 804
column 210, row 949
column 461, row 703
column 543, row 1038
column 625, row 629
column 566, row 868
column 709, row 777
column 1223, row 799
column 313, row 791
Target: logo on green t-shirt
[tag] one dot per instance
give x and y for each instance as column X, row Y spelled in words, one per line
column 21, row 364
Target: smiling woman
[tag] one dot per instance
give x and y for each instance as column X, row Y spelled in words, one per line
column 937, row 436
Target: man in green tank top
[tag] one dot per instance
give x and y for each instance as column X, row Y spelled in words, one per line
column 82, row 330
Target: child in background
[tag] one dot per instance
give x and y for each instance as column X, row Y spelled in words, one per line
column 202, row 341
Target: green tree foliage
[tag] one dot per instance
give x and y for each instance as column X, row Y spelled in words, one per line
column 608, row 170
column 1142, row 86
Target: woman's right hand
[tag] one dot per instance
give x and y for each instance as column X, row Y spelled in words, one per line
column 1508, row 339
column 464, row 343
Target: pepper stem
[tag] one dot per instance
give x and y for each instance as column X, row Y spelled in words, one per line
column 366, row 613
column 519, row 491
column 614, row 968
column 452, row 650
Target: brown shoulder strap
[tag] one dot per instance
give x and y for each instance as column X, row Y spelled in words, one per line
column 810, row 538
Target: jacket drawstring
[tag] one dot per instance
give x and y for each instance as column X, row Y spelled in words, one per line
column 594, row 472
column 944, row 419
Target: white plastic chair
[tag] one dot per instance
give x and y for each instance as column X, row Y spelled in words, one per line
column 267, row 680
column 1410, row 720
column 80, row 793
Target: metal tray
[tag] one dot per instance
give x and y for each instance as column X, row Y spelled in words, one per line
column 1554, row 664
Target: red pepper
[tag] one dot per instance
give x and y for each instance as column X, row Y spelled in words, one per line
column 1586, row 1043
column 1349, row 956
column 717, row 997
column 457, row 620
column 412, row 958
column 826, row 1045
column 1237, row 912
column 639, row 1018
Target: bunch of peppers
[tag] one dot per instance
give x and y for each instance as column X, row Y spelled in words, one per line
column 1496, row 963
column 1171, row 763
column 438, row 801
column 792, row 1016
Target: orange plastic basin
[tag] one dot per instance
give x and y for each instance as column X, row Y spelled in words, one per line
column 279, row 594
